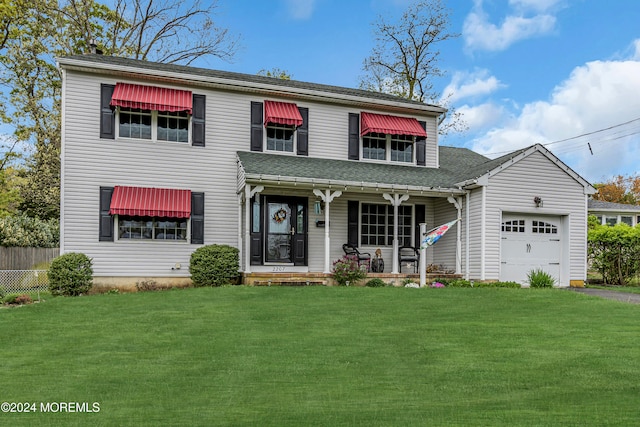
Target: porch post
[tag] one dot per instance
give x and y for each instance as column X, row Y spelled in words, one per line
column 457, row 202
column 423, row 256
column 248, row 194
column 396, row 200
column 240, row 248
column 327, row 197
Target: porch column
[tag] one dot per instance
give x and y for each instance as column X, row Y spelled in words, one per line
column 240, row 248
column 395, row 200
column 457, row 202
column 248, row 194
column 327, row 197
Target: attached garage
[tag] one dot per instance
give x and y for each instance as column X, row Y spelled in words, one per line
column 530, row 242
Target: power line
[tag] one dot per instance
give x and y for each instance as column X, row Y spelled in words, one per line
column 635, row 132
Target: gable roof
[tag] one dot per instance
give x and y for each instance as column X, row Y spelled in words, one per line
column 239, row 81
column 490, row 168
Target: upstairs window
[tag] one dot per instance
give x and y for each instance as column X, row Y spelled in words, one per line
column 152, row 113
column 281, row 120
column 390, row 138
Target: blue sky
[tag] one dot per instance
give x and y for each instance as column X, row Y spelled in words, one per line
column 564, row 73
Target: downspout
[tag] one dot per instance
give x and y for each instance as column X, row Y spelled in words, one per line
column 467, row 238
column 240, row 249
column 483, row 220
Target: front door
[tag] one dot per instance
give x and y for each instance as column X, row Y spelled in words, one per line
column 286, row 224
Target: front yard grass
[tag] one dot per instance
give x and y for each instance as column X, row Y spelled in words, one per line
column 288, row 356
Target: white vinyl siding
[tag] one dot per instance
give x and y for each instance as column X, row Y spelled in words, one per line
column 511, row 190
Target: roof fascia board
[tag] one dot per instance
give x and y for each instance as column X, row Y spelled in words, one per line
column 244, row 86
column 313, row 182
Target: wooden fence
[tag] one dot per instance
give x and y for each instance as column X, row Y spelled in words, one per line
column 15, row 258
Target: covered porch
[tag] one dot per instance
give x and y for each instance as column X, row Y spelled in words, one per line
column 297, row 212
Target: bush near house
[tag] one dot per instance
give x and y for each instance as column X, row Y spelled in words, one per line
column 346, row 271
column 70, row 274
column 614, row 251
column 214, row 265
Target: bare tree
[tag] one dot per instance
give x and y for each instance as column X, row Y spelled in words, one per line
column 404, row 61
column 168, row 31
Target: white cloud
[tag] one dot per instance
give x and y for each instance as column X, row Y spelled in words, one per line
column 595, row 96
column 300, row 9
column 481, row 116
column 467, row 85
column 536, row 5
column 479, row 33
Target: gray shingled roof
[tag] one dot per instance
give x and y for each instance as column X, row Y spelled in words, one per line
column 600, row 205
column 456, row 165
column 243, row 79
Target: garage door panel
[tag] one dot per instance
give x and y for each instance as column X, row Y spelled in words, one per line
column 528, row 243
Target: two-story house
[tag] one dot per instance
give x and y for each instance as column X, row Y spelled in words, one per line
column 159, row 159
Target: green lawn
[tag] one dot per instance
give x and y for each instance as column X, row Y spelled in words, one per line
column 330, row 356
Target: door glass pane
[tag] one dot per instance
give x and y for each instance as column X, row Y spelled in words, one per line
column 279, row 232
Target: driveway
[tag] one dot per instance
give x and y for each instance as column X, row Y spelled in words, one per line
column 603, row 293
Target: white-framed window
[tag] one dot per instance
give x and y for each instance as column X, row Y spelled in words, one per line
column 541, row 227
column 513, row 226
column 280, row 138
column 626, row 219
column 153, row 125
column 376, row 224
column 151, row 228
column 386, row 147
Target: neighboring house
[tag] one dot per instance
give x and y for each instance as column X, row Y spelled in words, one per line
column 160, row 159
column 614, row 213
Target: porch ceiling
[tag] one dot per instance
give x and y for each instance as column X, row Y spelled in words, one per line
column 259, row 167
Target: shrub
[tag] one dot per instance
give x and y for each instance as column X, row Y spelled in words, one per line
column 539, row 278
column 614, row 252
column 457, row 283
column 346, row 271
column 18, row 299
column 214, row 265
column 376, row 283
column 70, row 274
column 1, row 293
column 147, row 285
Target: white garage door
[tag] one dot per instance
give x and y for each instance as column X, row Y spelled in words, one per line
column 530, row 242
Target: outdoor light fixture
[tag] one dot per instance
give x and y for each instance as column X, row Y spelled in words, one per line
column 538, row 201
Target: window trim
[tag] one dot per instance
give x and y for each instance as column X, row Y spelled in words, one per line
column 388, row 215
column 389, row 138
column 154, row 128
column 116, row 231
column 294, row 142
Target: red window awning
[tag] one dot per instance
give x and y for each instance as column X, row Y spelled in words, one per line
column 151, row 98
column 394, row 125
column 282, row 113
column 157, row 202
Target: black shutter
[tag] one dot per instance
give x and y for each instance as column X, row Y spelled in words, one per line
column 354, row 136
column 421, row 147
column 256, row 126
column 105, row 233
column 107, row 114
column 197, row 218
column 352, row 222
column 197, row 120
column 420, row 218
column 303, row 133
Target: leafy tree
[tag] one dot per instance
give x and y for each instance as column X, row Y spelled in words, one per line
column 34, row 32
column 619, row 189
column 405, row 58
column 275, row 72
